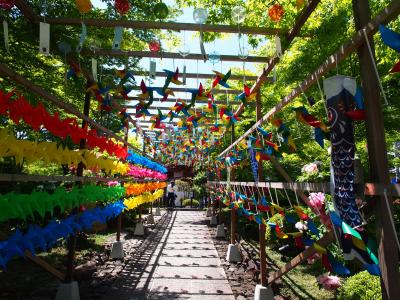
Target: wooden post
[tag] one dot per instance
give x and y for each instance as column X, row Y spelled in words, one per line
column 119, row 218
column 377, row 153
column 69, row 276
column 261, row 229
column 233, row 210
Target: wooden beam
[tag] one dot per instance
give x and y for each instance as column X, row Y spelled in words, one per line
column 377, row 153
column 27, row 11
column 199, row 76
column 327, row 239
column 174, row 26
column 45, row 266
column 173, row 100
column 300, row 21
column 370, row 189
column 42, row 178
column 187, row 90
column 388, row 14
column 167, row 55
column 4, row 70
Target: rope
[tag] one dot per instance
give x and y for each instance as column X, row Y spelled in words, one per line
column 374, row 65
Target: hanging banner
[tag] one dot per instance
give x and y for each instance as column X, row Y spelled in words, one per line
column 278, row 46
column 44, row 44
column 82, row 38
column 340, row 92
column 254, row 163
column 94, row 69
column 152, row 72
column 5, row 31
column 118, row 31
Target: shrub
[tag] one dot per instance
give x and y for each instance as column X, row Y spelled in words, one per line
column 188, row 202
column 361, row 286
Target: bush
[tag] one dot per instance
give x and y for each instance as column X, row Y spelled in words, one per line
column 361, row 286
column 188, row 202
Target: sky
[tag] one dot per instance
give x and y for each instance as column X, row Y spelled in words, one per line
column 228, row 45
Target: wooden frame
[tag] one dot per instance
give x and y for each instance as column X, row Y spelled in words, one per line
column 345, row 50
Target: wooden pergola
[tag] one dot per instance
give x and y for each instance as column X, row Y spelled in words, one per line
column 388, row 254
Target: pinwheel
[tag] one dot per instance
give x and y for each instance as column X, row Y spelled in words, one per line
column 124, row 90
column 157, row 119
column 74, row 71
column 124, row 76
column 106, row 104
column 196, row 118
column 98, row 91
column 228, row 116
column 392, row 40
column 285, row 132
column 221, row 79
column 197, row 94
column 147, row 92
column 246, row 96
column 172, row 77
column 181, row 106
column 320, row 129
column 211, row 107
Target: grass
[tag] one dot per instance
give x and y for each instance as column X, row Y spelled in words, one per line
column 301, row 282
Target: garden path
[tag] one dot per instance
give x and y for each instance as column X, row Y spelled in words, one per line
column 178, row 260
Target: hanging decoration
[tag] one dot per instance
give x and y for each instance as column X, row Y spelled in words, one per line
column 238, row 14
column 84, row 6
column 122, row 6
column 118, row 32
column 340, row 91
column 321, row 131
column 246, row 96
column 46, row 237
column 161, row 10
column 221, row 79
column 145, row 162
column 7, row 4
column 23, row 206
column 134, row 202
column 6, row 38
column 44, row 38
column 19, row 109
column 276, row 12
column 51, row 152
column 138, row 172
column 82, row 38
column 134, row 189
column 154, row 46
column 392, row 40
column 200, row 17
column 214, row 57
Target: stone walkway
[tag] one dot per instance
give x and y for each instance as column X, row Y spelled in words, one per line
column 178, row 260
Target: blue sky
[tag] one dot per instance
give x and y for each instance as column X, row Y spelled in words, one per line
column 228, row 45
